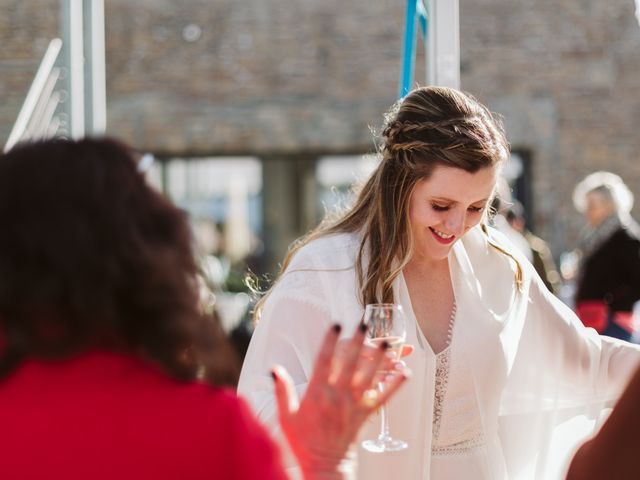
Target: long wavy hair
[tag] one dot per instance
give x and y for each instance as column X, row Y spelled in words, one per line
column 431, row 126
column 93, row 257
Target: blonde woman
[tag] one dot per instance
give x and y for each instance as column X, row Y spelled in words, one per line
column 506, row 380
column 609, row 273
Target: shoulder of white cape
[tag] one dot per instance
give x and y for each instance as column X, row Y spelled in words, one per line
column 487, row 243
column 329, row 252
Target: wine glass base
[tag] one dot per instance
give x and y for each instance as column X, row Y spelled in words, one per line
column 381, row 445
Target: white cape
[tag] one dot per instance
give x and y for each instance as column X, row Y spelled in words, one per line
column 542, row 380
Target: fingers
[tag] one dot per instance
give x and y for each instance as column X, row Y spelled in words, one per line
column 351, row 357
column 322, row 366
column 390, row 388
column 286, row 396
column 367, row 371
column 396, row 366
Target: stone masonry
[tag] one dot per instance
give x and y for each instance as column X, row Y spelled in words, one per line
column 307, row 77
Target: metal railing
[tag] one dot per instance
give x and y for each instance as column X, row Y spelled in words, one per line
column 37, row 119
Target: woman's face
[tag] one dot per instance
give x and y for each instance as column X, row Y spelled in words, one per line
column 598, row 208
column 444, row 206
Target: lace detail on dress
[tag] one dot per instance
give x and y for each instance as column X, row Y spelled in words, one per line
column 443, row 363
column 460, row 448
column 456, row 428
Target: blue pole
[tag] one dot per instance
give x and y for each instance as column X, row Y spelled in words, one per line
column 409, row 48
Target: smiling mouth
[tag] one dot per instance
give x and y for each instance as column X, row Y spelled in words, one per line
column 441, row 236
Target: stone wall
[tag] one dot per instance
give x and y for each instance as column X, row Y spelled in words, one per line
column 251, row 76
column 275, row 77
column 566, row 78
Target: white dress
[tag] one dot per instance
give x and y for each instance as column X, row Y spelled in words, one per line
column 521, row 383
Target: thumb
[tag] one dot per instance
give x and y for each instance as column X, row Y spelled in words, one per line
column 286, row 396
column 407, row 350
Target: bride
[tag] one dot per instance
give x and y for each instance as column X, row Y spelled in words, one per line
column 506, row 380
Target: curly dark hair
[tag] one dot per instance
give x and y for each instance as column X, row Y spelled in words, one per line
column 91, row 256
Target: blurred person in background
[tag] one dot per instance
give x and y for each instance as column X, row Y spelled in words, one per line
column 499, row 207
column 109, row 367
column 506, row 379
column 608, row 278
column 542, row 258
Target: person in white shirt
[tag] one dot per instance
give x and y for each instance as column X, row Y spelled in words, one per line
column 506, row 380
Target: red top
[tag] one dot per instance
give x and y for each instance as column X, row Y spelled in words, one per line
column 109, row 416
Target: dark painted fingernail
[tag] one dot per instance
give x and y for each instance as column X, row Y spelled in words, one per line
column 337, row 328
column 274, row 376
column 362, row 327
column 384, row 345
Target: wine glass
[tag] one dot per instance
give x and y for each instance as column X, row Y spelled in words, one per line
column 385, row 323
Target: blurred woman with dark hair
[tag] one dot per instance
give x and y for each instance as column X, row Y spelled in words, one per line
column 108, row 367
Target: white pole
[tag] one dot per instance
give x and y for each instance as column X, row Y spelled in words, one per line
column 443, row 51
column 96, row 102
column 74, row 60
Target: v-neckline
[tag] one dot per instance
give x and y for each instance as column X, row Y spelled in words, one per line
column 404, row 292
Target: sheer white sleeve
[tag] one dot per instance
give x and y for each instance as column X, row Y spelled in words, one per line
column 289, row 334
column 572, row 363
column 316, row 291
column 563, row 381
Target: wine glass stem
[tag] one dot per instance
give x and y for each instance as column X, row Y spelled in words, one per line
column 384, row 418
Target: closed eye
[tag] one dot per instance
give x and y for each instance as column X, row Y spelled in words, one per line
column 444, row 208
column 439, row 208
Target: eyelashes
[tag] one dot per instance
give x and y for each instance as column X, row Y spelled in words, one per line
column 439, row 208
column 444, row 208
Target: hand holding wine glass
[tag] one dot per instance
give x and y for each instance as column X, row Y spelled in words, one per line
column 341, row 394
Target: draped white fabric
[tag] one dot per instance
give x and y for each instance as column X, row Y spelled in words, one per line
column 541, row 380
